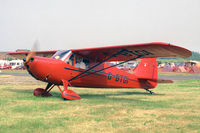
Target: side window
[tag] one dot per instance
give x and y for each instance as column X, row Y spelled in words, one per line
column 82, row 63
column 70, row 60
column 87, row 62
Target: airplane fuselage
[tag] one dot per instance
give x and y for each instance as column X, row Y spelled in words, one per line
column 54, row 71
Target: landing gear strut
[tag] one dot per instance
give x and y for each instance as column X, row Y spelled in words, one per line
column 151, row 92
column 66, row 93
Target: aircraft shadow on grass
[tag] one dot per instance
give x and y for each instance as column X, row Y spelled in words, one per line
column 20, row 91
column 107, row 96
column 112, row 95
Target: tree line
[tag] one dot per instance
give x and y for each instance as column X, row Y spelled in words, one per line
column 195, row 56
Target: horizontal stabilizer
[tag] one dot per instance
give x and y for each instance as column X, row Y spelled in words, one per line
column 165, row 81
column 152, row 83
column 158, row 80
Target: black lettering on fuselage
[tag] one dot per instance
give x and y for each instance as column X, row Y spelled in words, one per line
column 118, row 78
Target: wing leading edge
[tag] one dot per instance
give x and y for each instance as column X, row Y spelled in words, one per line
column 21, row 55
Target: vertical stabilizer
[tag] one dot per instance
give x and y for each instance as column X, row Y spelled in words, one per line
column 147, row 72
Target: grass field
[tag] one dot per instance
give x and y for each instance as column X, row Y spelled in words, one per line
column 179, row 74
column 14, row 71
column 173, row 108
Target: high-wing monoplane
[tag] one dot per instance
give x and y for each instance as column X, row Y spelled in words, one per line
column 89, row 67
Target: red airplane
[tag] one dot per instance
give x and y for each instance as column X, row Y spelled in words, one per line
column 89, row 68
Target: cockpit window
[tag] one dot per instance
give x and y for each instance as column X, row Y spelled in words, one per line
column 70, row 60
column 61, row 54
column 82, row 63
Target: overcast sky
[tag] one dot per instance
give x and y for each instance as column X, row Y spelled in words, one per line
column 66, row 24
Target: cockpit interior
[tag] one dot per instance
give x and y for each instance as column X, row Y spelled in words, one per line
column 72, row 59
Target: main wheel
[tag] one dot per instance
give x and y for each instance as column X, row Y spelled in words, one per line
column 39, row 92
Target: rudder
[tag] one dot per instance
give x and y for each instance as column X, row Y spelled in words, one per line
column 147, row 72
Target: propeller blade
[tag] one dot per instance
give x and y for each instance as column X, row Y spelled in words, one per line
column 32, row 52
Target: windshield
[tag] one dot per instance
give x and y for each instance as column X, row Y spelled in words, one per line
column 61, row 54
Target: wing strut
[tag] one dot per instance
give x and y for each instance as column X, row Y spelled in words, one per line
column 114, row 55
column 139, row 56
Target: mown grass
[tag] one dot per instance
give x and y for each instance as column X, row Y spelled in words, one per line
column 173, row 108
column 178, row 74
column 13, row 71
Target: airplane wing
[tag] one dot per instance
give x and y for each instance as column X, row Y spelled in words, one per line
column 133, row 51
column 21, row 55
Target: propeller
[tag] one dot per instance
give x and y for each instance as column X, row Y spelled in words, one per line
column 31, row 53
